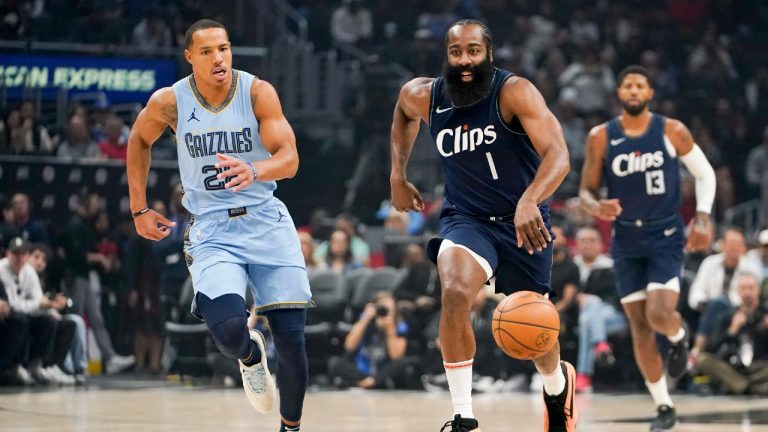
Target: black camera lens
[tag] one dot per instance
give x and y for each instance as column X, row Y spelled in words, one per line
column 382, row 311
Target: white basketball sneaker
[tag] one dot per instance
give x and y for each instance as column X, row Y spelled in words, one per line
column 257, row 381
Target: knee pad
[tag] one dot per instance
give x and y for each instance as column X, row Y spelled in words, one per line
column 226, row 318
column 286, row 320
column 287, row 326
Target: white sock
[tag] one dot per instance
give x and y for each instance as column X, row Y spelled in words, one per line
column 677, row 337
column 659, row 392
column 554, row 382
column 460, row 384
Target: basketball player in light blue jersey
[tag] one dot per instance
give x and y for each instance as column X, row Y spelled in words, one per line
column 233, row 143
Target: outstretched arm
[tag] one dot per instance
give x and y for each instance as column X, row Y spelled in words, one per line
column 159, row 113
column 276, row 135
column 521, row 99
column 412, row 106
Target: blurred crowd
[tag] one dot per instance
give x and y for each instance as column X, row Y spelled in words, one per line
column 93, row 273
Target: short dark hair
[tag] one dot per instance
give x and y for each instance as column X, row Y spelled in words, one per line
column 634, row 69
column 484, row 30
column 201, row 25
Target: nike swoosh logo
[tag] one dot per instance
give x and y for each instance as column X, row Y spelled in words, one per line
column 442, row 110
column 668, row 232
column 618, row 141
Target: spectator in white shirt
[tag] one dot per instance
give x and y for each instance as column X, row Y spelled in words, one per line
column 713, row 291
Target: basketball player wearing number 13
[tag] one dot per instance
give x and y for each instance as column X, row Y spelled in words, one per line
column 503, row 154
column 638, row 153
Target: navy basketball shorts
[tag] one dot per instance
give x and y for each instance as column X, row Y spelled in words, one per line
column 496, row 242
column 259, row 249
column 647, row 257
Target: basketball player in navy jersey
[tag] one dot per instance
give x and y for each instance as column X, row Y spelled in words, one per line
column 638, row 154
column 233, row 144
column 503, row 154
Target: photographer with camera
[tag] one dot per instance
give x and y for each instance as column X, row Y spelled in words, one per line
column 375, row 350
column 737, row 355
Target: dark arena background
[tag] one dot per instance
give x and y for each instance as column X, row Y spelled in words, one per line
column 75, row 74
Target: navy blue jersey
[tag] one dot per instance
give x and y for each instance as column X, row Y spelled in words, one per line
column 488, row 164
column 642, row 172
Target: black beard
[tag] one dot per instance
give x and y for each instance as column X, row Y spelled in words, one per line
column 634, row 110
column 466, row 93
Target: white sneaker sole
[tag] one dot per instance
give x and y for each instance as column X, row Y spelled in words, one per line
column 261, row 402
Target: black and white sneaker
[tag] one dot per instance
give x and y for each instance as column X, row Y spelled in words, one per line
column 665, row 419
column 677, row 356
column 459, row 424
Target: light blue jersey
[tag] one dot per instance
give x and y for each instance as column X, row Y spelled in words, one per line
column 235, row 239
column 203, row 130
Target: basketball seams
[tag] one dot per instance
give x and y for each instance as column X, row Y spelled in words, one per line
column 501, row 330
column 527, row 324
column 538, row 300
column 508, row 322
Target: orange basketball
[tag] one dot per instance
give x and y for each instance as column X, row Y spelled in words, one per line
column 525, row 325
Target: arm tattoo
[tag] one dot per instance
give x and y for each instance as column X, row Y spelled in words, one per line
column 171, row 114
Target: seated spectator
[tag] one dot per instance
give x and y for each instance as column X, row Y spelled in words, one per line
column 22, row 223
column 13, row 340
column 339, row 257
column 737, row 353
column 51, row 337
column 599, row 309
column 76, row 361
column 78, row 144
column 376, row 350
column 360, row 250
column 23, row 135
column 113, row 145
column 308, row 251
column 714, row 291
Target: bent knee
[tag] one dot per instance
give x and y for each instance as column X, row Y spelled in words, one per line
column 658, row 317
column 232, row 338
column 457, row 296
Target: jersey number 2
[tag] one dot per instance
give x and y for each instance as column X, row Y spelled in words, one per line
column 212, row 182
column 492, row 165
column 654, row 182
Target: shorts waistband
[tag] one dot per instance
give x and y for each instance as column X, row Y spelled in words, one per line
column 640, row 223
column 504, row 218
column 228, row 213
column 508, row 217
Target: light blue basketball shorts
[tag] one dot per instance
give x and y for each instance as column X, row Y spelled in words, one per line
column 228, row 250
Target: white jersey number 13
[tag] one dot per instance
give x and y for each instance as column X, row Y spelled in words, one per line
column 654, row 182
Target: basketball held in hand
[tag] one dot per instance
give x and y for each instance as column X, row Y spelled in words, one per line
column 525, row 325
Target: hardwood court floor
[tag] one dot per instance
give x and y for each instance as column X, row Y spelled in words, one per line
column 154, row 407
